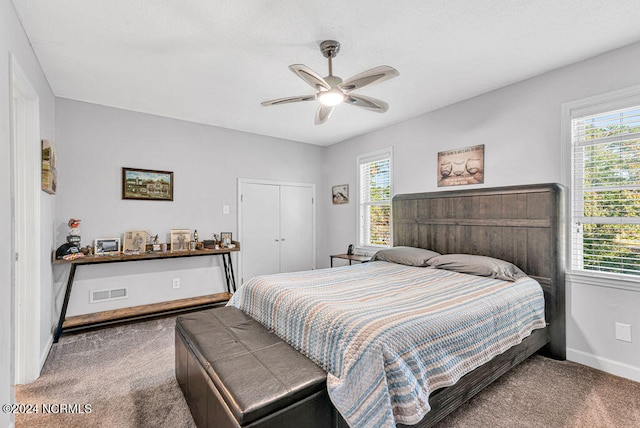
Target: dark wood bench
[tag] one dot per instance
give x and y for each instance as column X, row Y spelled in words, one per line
column 233, row 372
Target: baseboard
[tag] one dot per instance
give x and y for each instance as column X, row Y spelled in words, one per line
column 45, row 354
column 604, row 364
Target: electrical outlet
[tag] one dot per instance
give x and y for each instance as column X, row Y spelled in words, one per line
column 176, row 282
column 623, row 332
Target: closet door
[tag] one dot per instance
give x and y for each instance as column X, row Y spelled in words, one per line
column 260, row 246
column 296, row 228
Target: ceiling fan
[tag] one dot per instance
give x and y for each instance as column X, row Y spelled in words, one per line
column 332, row 90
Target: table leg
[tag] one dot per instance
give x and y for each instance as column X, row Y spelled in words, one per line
column 228, row 272
column 65, row 303
column 331, row 261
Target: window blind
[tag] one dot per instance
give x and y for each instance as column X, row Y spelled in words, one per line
column 606, row 192
column 375, row 200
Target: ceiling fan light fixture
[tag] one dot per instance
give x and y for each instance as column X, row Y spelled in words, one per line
column 331, row 98
column 332, row 90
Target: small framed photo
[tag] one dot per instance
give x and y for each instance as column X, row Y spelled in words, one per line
column 135, row 242
column 226, row 238
column 340, row 194
column 106, row 246
column 147, row 184
column 180, row 239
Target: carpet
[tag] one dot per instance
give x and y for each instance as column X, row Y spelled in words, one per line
column 126, row 375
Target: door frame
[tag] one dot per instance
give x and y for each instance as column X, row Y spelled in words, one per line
column 242, row 182
column 25, row 225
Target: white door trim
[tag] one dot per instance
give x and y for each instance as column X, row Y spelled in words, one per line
column 25, row 221
column 242, row 182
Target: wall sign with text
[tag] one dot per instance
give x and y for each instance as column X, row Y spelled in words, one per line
column 461, row 166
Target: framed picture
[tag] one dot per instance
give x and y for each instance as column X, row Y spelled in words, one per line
column 106, row 246
column 461, row 166
column 147, row 184
column 49, row 174
column 226, row 238
column 180, row 239
column 340, row 194
column 135, row 242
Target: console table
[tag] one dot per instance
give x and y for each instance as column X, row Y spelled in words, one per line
column 108, row 317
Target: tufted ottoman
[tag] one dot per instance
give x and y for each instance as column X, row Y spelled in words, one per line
column 233, row 372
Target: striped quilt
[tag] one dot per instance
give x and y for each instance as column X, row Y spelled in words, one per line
column 388, row 335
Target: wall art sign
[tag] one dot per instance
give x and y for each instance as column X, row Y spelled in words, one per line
column 461, row 166
column 147, row 184
column 49, row 175
column 340, row 194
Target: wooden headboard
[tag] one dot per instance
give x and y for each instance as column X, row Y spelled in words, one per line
column 523, row 225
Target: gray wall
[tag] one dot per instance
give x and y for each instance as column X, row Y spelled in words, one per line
column 95, row 142
column 13, row 40
column 520, row 128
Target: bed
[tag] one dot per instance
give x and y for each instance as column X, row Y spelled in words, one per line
column 370, row 352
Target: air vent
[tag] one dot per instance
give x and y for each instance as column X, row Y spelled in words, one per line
column 98, row 296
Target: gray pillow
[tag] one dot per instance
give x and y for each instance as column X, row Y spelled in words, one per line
column 409, row 256
column 478, row 265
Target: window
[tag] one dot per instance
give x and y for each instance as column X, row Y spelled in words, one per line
column 374, row 198
column 606, row 191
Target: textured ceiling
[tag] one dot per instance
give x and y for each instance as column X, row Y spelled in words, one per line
column 213, row 62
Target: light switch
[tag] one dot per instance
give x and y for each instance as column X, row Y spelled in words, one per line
column 225, row 209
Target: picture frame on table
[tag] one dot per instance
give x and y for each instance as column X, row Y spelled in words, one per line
column 226, row 238
column 180, row 239
column 106, row 246
column 135, row 242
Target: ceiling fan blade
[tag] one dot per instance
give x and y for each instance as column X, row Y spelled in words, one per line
column 323, row 114
column 367, row 103
column 310, row 76
column 288, row 100
column 375, row 75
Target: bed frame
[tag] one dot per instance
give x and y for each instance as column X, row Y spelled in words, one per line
column 523, row 225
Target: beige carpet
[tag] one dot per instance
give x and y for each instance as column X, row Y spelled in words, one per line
column 126, row 374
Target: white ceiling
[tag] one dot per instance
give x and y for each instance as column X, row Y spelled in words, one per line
column 213, row 62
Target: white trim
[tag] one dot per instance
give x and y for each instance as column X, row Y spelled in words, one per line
column 620, row 282
column 608, row 101
column 371, row 157
column 241, row 183
column 25, row 188
column 45, row 354
column 610, row 366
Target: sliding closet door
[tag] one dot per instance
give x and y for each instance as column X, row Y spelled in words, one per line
column 260, row 246
column 296, row 228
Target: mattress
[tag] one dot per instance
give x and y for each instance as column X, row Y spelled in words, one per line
column 388, row 335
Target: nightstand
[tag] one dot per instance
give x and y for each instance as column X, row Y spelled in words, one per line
column 352, row 258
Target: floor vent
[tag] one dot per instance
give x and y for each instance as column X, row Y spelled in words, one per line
column 97, row 296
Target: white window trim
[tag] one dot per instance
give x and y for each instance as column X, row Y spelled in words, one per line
column 364, row 249
column 609, row 101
